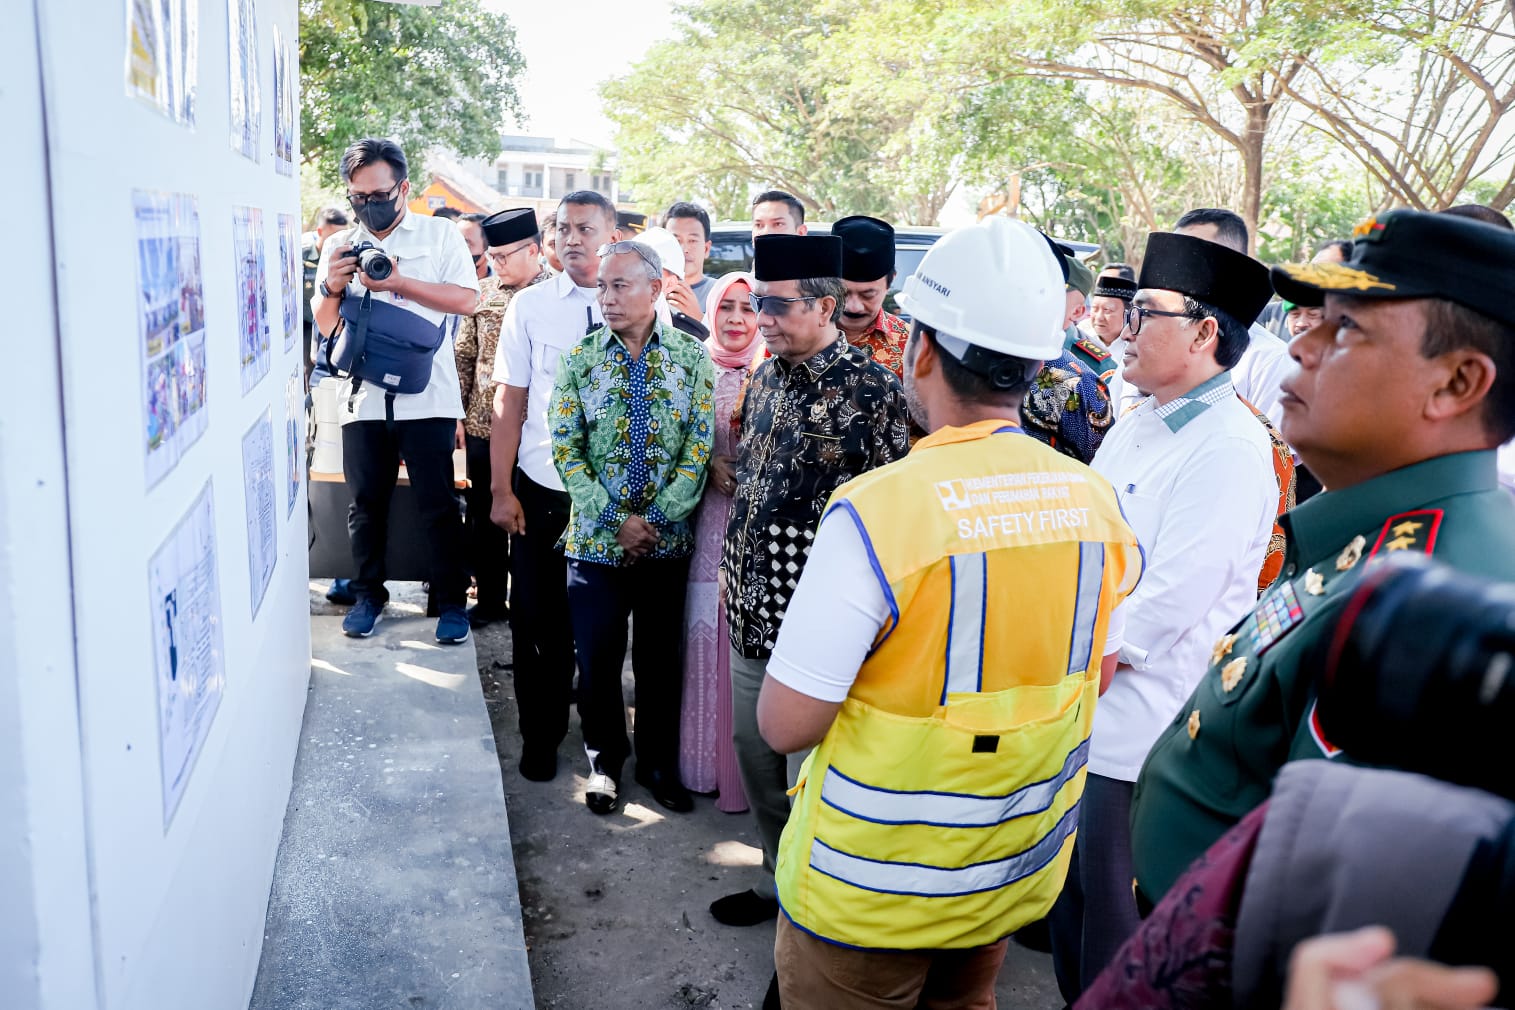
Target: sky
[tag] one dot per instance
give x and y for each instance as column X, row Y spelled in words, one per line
column 558, row 96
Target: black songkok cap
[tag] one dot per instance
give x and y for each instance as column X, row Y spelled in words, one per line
column 796, row 257
column 1208, row 272
column 1413, row 254
column 510, row 226
column 1114, row 287
column 867, row 248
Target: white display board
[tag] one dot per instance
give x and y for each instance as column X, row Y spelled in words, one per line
column 190, row 640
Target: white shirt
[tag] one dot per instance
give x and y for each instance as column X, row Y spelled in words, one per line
column 1202, row 500
column 428, row 249
column 837, row 612
column 541, row 324
column 1506, row 458
column 1263, row 365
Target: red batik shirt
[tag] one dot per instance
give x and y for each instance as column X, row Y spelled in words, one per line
column 885, row 342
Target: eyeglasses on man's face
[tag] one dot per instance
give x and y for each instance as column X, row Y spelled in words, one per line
column 1135, row 313
column 358, row 200
column 502, row 256
column 773, row 305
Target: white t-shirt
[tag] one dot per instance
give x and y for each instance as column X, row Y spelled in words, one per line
column 429, row 249
column 541, row 324
column 1202, row 500
column 837, row 612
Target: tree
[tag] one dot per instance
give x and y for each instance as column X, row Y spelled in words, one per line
column 747, row 95
column 423, row 76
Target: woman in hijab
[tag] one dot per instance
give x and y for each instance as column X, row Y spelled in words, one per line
column 707, row 759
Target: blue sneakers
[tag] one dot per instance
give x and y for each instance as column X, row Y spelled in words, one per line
column 452, row 626
column 360, row 620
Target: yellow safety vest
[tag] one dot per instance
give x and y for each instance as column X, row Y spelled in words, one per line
column 940, row 809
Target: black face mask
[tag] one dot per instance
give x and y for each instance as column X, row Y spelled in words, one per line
column 377, row 217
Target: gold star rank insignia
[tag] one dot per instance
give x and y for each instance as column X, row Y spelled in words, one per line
column 1350, row 554
column 1399, row 543
column 1222, row 649
column 1409, row 531
column 1406, row 529
column 1315, row 584
column 1194, row 724
column 1231, row 675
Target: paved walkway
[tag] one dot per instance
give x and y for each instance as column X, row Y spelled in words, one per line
column 395, row 884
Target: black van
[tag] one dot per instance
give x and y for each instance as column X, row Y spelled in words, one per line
column 731, row 249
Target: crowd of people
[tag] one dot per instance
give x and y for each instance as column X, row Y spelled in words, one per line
column 968, row 683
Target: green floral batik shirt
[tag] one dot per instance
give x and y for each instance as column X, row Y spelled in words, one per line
column 632, row 437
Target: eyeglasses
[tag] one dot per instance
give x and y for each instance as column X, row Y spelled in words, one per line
column 773, row 305
column 357, row 200
column 1135, row 313
column 504, row 257
column 628, row 246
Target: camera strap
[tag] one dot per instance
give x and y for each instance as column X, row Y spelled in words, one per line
column 357, row 342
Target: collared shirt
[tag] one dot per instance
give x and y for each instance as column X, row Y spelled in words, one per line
column 807, row 429
column 1068, row 408
column 428, row 249
column 1263, row 365
column 540, row 325
column 885, row 342
column 1195, row 480
column 1252, row 710
column 632, row 437
column 475, row 344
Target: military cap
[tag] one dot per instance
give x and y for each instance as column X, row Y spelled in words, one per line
column 796, row 257
column 1080, row 277
column 510, row 226
column 1208, row 272
column 867, row 248
column 1114, row 287
column 1414, row 254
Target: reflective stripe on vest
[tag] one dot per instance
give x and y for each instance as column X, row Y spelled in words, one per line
column 1091, row 576
column 946, row 810
column 965, row 625
column 922, row 881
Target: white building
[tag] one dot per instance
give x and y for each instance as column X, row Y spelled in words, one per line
column 542, row 170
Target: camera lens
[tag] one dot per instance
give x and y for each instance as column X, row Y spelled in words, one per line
column 1419, row 673
column 375, row 264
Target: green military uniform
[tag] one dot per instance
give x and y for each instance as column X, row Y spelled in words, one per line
column 1254, row 709
column 1088, row 352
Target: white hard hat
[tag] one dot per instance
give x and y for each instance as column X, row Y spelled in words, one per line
column 995, row 284
column 662, row 242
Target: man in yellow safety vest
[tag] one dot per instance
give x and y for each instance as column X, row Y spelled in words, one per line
column 943, row 653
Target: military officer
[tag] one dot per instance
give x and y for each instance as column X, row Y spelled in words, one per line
column 1398, row 402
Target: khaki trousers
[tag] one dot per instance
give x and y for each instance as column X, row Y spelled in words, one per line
column 816, row 975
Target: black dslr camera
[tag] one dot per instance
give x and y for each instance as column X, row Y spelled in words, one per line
column 1420, row 674
column 372, row 260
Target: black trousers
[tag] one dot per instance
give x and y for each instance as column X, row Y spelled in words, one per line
column 371, row 454
column 649, row 593
column 540, row 632
column 1096, row 913
column 488, row 550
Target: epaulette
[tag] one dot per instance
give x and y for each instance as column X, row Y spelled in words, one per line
column 1409, row 531
column 1092, row 349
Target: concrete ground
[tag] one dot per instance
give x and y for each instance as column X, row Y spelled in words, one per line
column 615, row 907
column 395, row 884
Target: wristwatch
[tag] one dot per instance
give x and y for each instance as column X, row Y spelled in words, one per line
column 327, row 292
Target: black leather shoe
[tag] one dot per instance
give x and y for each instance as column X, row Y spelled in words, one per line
column 748, row 908
column 667, row 790
column 485, row 614
column 538, row 765
column 771, row 1000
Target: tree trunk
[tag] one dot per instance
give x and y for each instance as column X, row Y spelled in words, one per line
column 1252, row 172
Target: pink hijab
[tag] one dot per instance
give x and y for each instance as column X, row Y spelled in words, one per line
column 723, row 357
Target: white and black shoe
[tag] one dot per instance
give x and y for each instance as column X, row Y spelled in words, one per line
column 601, row 792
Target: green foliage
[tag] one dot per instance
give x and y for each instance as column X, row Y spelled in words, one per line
column 423, row 76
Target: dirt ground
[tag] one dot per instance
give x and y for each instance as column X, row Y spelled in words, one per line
column 616, row 907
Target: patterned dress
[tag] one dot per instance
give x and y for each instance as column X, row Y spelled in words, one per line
column 707, row 758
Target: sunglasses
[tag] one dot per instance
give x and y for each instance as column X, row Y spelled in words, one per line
column 357, row 200
column 773, row 305
column 1135, row 313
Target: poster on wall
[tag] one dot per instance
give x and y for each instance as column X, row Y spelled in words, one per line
column 171, row 321
column 294, row 434
column 291, row 277
column 184, row 594
column 252, row 294
column 284, row 107
column 258, row 482
column 246, row 99
column 162, row 55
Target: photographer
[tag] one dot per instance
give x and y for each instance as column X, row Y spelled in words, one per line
column 430, row 276
column 1398, row 401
